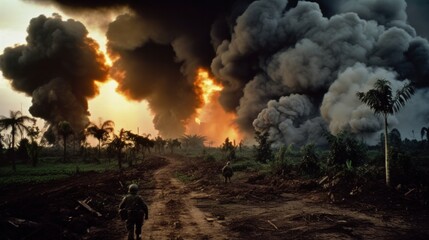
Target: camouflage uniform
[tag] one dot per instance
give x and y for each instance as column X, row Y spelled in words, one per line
column 136, row 210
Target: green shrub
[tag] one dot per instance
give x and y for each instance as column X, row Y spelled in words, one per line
column 183, row 177
column 45, row 172
column 282, row 163
column 246, row 165
column 403, row 169
column 344, row 147
column 263, row 151
column 229, row 148
column 310, row 161
column 210, row 158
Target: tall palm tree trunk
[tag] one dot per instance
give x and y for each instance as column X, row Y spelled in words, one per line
column 386, row 152
column 13, row 149
column 99, row 149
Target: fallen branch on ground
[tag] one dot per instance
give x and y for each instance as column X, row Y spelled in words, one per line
column 409, row 191
column 87, row 207
column 272, row 224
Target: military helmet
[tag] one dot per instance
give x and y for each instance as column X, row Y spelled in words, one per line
column 133, row 188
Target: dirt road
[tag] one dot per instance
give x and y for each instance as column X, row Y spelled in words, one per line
column 173, row 214
column 210, row 209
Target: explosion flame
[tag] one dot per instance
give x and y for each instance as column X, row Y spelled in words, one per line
column 211, row 120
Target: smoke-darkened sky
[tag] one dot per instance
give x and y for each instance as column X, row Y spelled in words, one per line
column 288, row 67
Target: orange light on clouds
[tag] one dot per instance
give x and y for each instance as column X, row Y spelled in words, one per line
column 211, row 120
column 110, row 105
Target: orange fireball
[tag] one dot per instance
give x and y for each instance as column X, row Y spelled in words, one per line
column 210, row 119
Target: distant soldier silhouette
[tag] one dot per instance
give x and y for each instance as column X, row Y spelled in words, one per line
column 135, row 210
column 227, row 172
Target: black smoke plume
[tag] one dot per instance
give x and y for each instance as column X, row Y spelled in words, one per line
column 288, row 67
column 159, row 45
column 57, row 67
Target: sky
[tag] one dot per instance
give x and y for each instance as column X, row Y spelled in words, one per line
column 15, row 16
column 290, row 78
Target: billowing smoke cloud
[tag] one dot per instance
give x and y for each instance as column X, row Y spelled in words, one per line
column 159, row 46
column 57, row 68
column 288, row 67
column 293, row 115
column 159, row 67
column 301, row 51
column 342, row 109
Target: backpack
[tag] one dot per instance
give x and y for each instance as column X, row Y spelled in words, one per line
column 131, row 205
column 123, row 214
column 227, row 171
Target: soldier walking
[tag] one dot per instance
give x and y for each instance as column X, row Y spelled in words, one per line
column 136, row 212
column 227, row 172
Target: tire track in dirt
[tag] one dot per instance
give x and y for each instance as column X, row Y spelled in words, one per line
column 173, row 214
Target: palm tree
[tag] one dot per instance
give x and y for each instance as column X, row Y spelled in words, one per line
column 65, row 130
column 382, row 101
column 17, row 123
column 173, row 143
column 139, row 143
column 193, row 141
column 33, row 147
column 100, row 132
column 160, row 144
column 117, row 144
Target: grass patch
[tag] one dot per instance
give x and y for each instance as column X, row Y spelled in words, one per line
column 46, row 172
column 246, row 165
column 183, row 177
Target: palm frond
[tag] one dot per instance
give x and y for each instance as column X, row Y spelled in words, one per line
column 381, row 100
column 108, row 125
column 402, row 96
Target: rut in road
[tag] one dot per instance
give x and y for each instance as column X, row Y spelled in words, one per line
column 173, row 214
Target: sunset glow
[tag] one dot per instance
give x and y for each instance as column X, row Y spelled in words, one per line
column 109, row 105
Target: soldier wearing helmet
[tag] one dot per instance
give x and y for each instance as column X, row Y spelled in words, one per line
column 227, row 172
column 136, row 211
